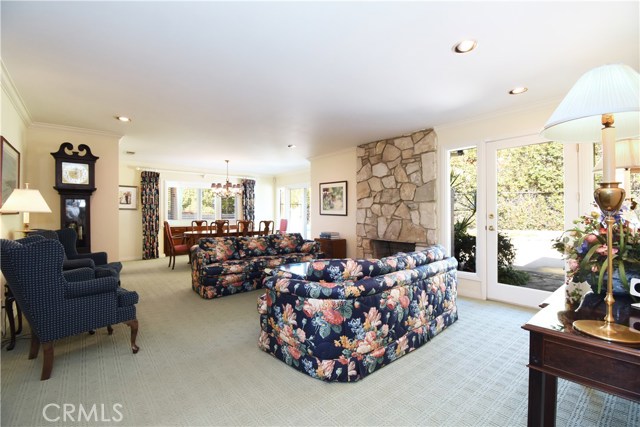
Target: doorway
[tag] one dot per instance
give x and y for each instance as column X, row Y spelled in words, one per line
column 506, row 201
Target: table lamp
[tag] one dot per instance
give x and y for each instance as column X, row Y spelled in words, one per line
column 25, row 200
column 603, row 97
column 627, row 155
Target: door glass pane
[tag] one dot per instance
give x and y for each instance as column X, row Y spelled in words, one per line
column 464, row 187
column 530, row 198
column 296, row 211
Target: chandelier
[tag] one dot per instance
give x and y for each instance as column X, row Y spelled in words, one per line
column 227, row 189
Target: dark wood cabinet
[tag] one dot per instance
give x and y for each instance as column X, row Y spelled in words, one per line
column 333, row 248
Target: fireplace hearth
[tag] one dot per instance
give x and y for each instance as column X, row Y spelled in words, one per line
column 383, row 248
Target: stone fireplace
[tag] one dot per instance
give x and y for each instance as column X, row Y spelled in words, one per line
column 396, row 191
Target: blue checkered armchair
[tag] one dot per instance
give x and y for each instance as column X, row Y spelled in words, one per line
column 57, row 307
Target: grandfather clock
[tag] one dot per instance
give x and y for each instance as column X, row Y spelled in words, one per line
column 75, row 182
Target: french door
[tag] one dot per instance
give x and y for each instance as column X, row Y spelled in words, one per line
column 294, row 206
column 531, row 198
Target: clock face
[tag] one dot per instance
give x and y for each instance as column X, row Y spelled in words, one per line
column 75, row 173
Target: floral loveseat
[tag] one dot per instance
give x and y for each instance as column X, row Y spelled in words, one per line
column 346, row 318
column 227, row 265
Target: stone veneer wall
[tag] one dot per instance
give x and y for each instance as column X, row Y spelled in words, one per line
column 396, row 190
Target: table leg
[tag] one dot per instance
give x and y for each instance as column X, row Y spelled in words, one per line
column 543, row 390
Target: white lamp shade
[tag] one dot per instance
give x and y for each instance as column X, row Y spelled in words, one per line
column 627, row 155
column 25, row 200
column 609, row 89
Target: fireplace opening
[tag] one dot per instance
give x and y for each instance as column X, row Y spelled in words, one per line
column 383, row 248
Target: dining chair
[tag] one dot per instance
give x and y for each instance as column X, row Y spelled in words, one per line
column 220, row 227
column 244, row 227
column 175, row 249
column 199, row 225
column 265, row 227
column 283, row 226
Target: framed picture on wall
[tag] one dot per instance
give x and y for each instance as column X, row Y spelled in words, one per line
column 128, row 197
column 333, row 198
column 9, row 169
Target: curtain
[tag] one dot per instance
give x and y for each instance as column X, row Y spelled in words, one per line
column 248, row 199
column 150, row 192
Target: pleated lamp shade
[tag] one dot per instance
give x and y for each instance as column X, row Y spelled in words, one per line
column 608, row 89
column 627, row 155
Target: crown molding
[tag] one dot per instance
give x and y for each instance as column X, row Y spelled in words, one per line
column 9, row 88
column 40, row 125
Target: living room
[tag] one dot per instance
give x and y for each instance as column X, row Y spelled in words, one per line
column 330, row 136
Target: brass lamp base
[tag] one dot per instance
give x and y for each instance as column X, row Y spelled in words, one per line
column 611, row 332
column 609, row 198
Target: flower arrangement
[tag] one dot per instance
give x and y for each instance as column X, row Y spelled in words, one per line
column 585, row 247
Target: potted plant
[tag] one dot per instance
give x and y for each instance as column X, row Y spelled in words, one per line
column 584, row 248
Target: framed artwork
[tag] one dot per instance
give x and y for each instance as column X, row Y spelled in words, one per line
column 128, row 197
column 333, row 198
column 9, row 169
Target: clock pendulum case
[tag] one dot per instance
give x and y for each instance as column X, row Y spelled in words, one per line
column 75, row 182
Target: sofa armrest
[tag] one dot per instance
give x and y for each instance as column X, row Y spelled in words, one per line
column 91, row 287
column 310, row 247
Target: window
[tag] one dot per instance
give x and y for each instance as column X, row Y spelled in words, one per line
column 185, row 201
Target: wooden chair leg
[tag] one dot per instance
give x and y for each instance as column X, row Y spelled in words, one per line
column 35, row 346
column 12, row 325
column 174, row 262
column 47, row 363
column 169, row 261
column 133, row 324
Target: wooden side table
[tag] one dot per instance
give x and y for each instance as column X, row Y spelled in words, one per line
column 557, row 351
column 333, row 248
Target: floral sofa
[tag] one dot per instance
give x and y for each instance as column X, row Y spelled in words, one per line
column 227, row 265
column 346, row 318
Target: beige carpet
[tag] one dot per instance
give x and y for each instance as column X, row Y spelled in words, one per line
column 199, row 365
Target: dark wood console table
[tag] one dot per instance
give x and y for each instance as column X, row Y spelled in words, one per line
column 333, row 248
column 556, row 350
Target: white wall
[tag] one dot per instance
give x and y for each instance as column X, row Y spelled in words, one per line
column 13, row 127
column 340, row 166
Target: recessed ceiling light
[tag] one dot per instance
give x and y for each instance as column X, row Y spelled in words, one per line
column 123, row 118
column 465, row 46
column 291, row 145
column 518, row 90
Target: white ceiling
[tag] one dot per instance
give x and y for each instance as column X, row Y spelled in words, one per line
column 208, row 81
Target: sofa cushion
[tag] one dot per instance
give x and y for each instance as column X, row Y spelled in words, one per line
column 339, row 270
column 219, row 248
column 253, row 246
column 286, row 243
